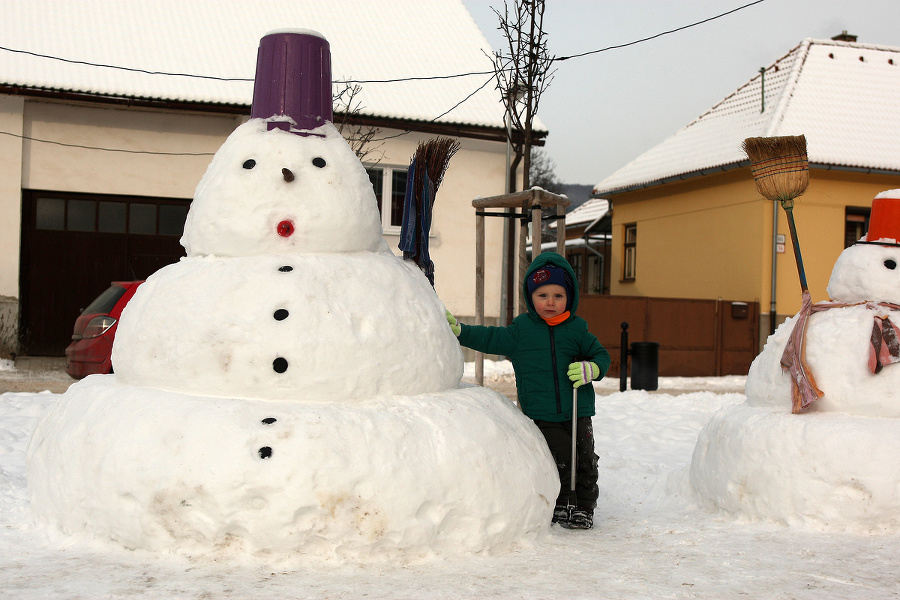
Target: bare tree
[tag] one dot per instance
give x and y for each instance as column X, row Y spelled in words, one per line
column 543, row 172
column 523, row 72
column 346, row 119
column 543, row 175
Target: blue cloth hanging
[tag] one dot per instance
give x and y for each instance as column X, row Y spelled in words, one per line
column 417, row 212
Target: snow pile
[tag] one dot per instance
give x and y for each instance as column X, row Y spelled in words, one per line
column 498, row 370
column 834, row 466
column 650, row 539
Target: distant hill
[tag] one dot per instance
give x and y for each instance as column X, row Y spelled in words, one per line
column 578, row 193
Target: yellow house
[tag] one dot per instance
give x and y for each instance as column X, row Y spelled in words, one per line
column 688, row 221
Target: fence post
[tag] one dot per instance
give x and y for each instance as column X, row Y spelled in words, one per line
column 623, row 362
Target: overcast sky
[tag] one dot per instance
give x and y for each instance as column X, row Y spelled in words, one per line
column 605, row 109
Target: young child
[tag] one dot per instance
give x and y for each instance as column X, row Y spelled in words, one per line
column 552, row 351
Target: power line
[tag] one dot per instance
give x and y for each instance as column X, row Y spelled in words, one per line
column 653, row 37
column 215, row 78
column 121, row 68
column 34, row 139
column 446, row 112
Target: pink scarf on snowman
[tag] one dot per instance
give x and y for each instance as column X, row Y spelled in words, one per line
column 884, row 349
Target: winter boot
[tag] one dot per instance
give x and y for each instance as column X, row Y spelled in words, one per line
column 581, row 519
column 561, row 514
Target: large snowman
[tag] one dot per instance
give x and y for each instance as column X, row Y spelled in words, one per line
column 833, row 465
column 290, row 386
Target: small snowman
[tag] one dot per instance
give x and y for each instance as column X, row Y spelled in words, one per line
column 832, row 466
column 290, row 386
column 848, row 341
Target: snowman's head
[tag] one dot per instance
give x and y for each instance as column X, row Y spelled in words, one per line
column 866, row 272
column 870, row 269
column 273, row 191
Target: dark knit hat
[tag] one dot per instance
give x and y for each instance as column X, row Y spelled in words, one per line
column 548, row 275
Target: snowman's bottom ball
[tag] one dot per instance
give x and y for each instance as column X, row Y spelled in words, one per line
column 459, row 471
column 818, row 470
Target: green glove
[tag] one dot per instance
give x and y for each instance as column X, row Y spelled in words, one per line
column 454, row 324
column 582, row 372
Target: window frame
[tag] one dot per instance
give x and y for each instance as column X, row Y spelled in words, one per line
column 629, row 252
column 856, row 223
column 84, row 213
column 389, row 174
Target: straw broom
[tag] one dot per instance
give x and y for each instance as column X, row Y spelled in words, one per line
column 424, row 177
column 781, row 170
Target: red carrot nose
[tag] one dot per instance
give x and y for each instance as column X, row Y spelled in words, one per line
column 285, row 228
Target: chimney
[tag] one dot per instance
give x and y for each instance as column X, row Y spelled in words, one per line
column 844, row 37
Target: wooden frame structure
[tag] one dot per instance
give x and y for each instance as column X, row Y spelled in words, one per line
column 533, row 200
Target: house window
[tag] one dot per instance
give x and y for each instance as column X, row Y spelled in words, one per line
column 389, row 184
column 856, row 224
column 576, row 261
column 630, row 252
column 68, row 213
column 594, row 279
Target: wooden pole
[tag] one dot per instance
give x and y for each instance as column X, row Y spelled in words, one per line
column 536, row 221
column 561, row 230
column 523, row 256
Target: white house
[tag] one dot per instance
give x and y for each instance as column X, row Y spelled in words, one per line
column 110, row 111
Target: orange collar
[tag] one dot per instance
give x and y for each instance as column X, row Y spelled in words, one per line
column 553, row 321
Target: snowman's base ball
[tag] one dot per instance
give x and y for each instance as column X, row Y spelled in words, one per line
column 458, row 471
column 818, row 470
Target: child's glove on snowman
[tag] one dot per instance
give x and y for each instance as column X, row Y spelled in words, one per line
column 582, row 372
column 454, row 324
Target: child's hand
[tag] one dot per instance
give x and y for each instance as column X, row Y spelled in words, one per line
column 582, row 372
column 454, row 324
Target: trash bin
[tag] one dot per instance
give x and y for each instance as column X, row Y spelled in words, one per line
column 644, row 365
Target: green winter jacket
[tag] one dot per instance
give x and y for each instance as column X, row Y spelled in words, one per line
column 541, row 354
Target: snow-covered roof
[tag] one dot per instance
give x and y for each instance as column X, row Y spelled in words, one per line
column 841, row 95
column 61, row 46
column 588, row 213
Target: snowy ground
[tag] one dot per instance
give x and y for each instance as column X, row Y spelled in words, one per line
column 650, row 538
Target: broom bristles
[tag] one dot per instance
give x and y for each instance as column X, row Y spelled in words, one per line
column 433, row 157
column 780, row 165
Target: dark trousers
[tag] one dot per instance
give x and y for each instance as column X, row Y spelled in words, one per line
column 559, row 439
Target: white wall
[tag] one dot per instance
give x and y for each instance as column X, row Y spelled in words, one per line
column 11, row 122
column 11, row 108
column 185, row 143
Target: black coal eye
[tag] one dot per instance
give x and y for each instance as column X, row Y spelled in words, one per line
column 890, row 264
column 249, row 163
column 319, row 162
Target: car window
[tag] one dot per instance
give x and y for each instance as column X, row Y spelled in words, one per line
column 105, row 301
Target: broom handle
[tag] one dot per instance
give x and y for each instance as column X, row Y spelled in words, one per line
column 572, row 479
column 788, row 206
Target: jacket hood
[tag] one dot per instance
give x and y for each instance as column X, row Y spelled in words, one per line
column 556, row 260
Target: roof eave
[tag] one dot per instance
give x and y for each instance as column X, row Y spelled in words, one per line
column 479, row 132
column 732, row 166
column 671, row 179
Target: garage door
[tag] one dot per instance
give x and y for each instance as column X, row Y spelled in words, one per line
column 74, row 245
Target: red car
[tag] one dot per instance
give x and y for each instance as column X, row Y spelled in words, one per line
column 92, row 339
